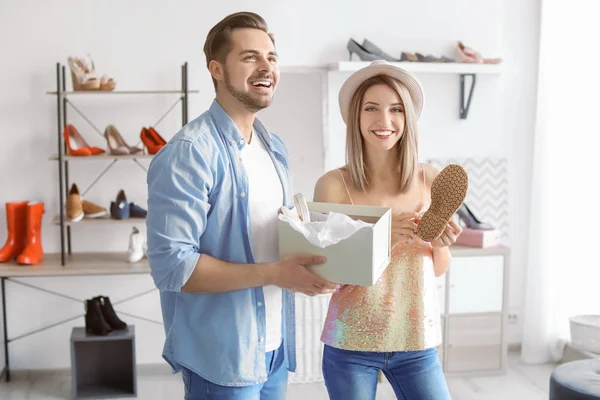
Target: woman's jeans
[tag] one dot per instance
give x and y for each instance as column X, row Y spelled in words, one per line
column 414, row 375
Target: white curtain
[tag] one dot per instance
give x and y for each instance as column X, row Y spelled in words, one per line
column 563, row 272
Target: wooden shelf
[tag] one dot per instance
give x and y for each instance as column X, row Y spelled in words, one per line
column 79, row 264
column 103, row 157
column 117, row 92
column 423, row 67
column 101, row 221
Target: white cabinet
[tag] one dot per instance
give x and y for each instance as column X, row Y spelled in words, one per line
column 474, row 311
column 441, row 292
column 474, row 343
column 476, row 284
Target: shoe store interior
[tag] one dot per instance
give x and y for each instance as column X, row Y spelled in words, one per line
column 92, row 91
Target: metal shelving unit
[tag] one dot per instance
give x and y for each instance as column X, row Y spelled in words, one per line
column 63, row 102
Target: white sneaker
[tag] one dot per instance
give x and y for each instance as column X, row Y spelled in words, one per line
column 137, row 246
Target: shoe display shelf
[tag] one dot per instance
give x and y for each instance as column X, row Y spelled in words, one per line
column 64, row 103
column 465, row 72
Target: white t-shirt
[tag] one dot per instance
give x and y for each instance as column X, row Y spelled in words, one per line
column 265, row 198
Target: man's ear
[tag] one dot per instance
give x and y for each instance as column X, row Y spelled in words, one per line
column 216, row 70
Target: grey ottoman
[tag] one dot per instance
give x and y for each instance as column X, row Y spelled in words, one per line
column 576, row 380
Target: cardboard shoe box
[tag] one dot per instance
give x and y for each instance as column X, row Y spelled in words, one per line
column 479, row 238
column 358, row 260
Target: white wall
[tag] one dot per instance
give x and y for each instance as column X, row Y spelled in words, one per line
column 143, row 43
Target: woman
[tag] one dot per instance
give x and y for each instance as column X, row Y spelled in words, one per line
column 393, row 326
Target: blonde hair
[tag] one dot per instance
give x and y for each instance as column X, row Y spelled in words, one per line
column 408, row 146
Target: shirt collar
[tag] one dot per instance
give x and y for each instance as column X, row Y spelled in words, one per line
column 231, row 131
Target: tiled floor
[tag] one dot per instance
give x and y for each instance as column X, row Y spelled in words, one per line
column 521, row 382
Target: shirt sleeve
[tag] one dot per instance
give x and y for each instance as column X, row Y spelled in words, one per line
column 179, row 182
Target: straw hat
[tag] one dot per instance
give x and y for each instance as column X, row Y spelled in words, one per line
column 380, row 67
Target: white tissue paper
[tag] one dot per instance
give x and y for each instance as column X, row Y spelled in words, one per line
column 323, row 229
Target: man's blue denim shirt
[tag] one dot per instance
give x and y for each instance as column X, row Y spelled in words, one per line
column 198, row 204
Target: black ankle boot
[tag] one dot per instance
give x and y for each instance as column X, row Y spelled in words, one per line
column 470, row 220
column 109, row 313
column 95, row 323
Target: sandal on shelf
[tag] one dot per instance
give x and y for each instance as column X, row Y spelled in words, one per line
column 84, row 76
column 81, row 76
column 107, row 83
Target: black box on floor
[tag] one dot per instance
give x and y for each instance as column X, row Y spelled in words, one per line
column 103, row 366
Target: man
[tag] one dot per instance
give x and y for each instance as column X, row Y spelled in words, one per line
column 214, row 192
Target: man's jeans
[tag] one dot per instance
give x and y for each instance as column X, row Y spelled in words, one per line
column 198, row 388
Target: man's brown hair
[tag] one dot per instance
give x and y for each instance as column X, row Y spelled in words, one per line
column 218, row 40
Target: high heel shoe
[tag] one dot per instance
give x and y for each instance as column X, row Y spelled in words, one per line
column 95, row 323
column 373, row 49
column 152, row 140
column 470, row 220
column 76, row 145
column 109, row 314
column 356, row 48
column 116, row 144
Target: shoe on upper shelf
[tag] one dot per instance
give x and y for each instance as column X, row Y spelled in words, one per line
column 356, row 48
column 116, row 143
column 76, row 144
column 84, row 76
column 373, row 49
column 152, row 140
column 468, row 55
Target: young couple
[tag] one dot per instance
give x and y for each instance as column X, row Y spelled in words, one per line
column 214, row 192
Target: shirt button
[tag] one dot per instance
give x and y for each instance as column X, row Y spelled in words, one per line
column 259, row 304
column 243, row 194
column 262, row 339
column 241, row 141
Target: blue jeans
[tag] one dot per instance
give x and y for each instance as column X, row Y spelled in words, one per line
column 414, row 375
column 198, row 388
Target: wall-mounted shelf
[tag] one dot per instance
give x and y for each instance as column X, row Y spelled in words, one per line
column 425, row 67
column 464, row 70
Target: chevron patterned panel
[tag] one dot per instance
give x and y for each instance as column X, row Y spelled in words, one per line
column 488, row 189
